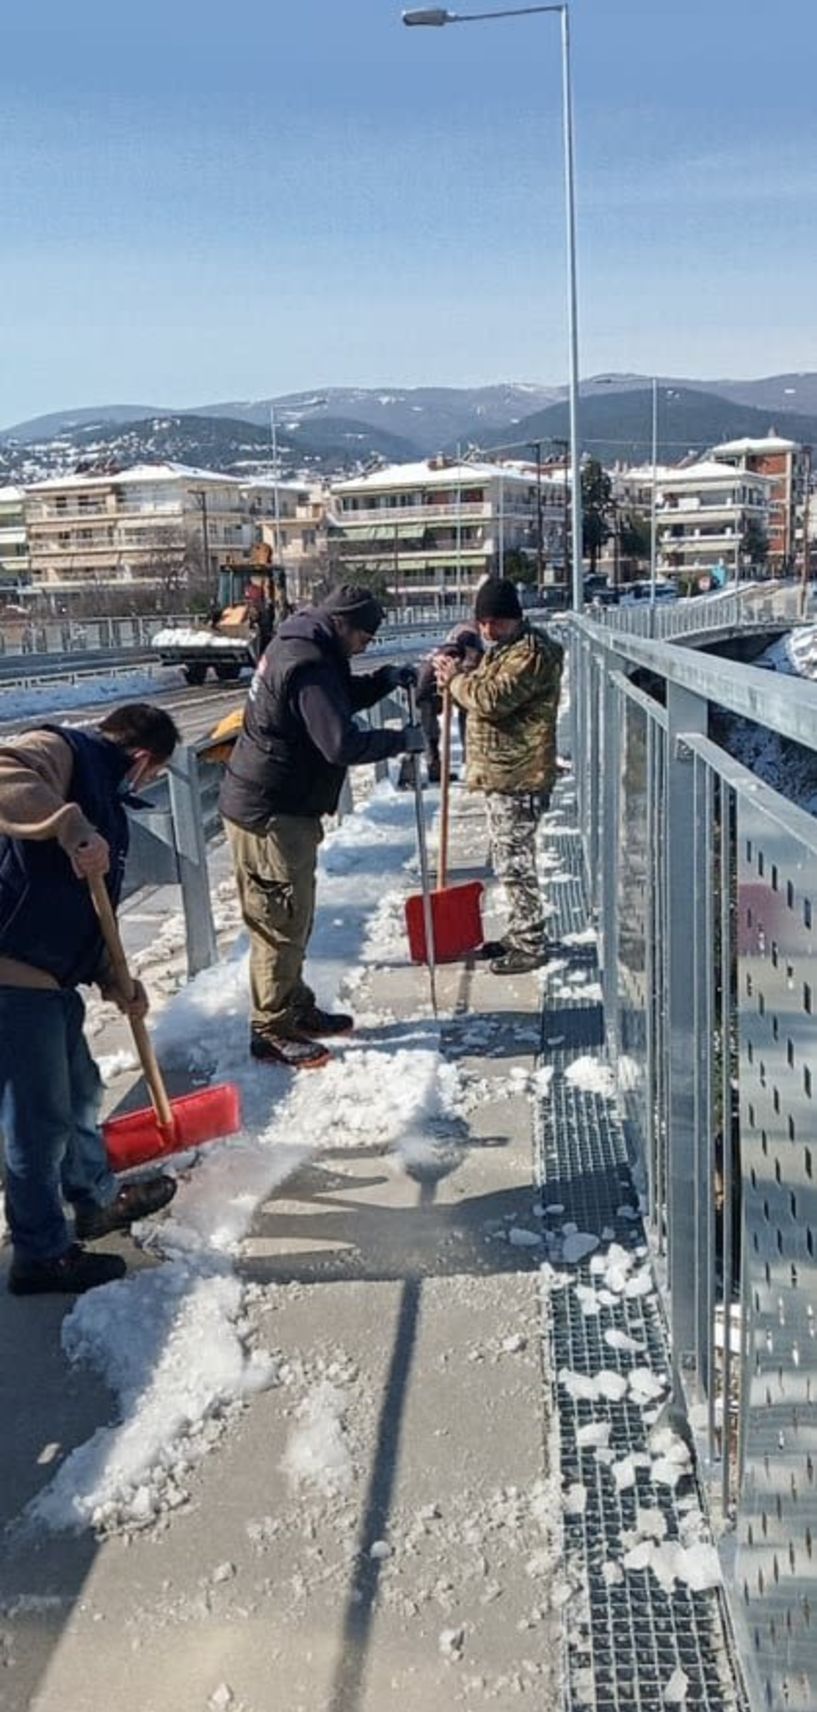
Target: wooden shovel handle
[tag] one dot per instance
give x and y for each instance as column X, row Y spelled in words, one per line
column 124, row 981
column 445, row 781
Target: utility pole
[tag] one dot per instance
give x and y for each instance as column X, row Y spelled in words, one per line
column 540, row 545
column 201, row 496
column 806, row 574
column 276, row 510
column 459, row 528
column 564, row 444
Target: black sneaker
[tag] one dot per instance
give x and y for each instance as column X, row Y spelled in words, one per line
column 291, row 1050
column 316, row 1021
column 134, row 1201
column 516, row 962
column 71, row 1274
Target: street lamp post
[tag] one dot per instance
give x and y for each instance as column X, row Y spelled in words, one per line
column 436, row 16
column 654, row 497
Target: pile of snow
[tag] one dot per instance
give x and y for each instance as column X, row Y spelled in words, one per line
column 56, row 698
column 317, row 1453
column 591, row 1076
column 187, row 636
column 794, row 653
column 787, row 767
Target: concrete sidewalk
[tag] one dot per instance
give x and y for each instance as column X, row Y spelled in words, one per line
column 402, row 1304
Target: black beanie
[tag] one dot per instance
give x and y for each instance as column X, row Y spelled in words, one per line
column 357, row 605
column 497, row 599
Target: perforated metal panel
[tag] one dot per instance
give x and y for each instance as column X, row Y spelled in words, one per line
column 776, row 1563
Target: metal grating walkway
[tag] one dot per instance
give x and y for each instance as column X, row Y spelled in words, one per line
column 634, row 1642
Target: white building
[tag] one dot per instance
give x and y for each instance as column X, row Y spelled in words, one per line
column 90, row 530
column 788, row 467
column 704, row 511
column 433, row 529
column 13, row 539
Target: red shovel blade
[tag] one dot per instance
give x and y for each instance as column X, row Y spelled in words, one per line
column 456, row 916
column 207, row 1115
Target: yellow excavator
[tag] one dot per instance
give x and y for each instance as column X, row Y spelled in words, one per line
column 251, row 598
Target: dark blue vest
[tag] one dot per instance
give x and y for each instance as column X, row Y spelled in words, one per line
column 47, row 918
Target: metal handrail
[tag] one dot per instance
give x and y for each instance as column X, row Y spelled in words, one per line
column 705, row 881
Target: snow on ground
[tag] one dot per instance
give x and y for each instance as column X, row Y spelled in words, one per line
column 796, row 652
column 173, row 1341
column 53, row 698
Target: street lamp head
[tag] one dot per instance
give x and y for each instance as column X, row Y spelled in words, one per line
column 435, row 15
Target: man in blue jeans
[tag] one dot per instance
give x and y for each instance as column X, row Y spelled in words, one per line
column 62, row 819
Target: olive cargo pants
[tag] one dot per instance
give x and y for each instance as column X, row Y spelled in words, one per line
column 275, row 874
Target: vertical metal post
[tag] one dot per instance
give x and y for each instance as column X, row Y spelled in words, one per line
column 592, row 752
column 651, row 978
column 191, row 850
column 686, row 713
column 612, row 739
column 654, row 505
column 572, row 316
column 661, row 995
column 704, row 958
column 727, row 1245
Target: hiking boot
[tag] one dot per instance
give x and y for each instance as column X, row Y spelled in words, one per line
column 71, row 1274
column 134, row 1201
column 294, row 1051
column 316, row 1021
column 516, row 962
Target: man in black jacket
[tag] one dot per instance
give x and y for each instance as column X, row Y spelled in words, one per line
column 297, row 741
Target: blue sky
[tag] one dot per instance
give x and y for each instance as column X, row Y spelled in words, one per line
column 205, row 202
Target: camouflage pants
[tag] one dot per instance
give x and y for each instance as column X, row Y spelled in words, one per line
column 513, row 817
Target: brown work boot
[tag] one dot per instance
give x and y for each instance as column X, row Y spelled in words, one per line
column 134, row 1201
column 294, row 1051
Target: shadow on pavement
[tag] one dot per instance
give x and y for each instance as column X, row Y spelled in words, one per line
column 47, row 1408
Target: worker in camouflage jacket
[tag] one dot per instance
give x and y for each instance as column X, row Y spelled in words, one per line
column 512, row 701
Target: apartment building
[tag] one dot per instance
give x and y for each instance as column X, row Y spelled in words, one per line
column 91, row 530
column 432, row 530
column 13, row 539
column 786, row 465
column 705, row 512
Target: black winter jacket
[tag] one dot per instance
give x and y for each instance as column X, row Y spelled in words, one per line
column 47, row 918
column 299, row 735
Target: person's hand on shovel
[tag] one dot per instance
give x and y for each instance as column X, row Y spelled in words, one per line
column 91, row 858
column 445, row 668
column 137, row 1006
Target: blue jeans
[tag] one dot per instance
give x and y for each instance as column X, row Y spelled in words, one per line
column 50, row 1093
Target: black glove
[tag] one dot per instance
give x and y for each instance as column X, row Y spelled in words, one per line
column 413, row 743
column 399, row 677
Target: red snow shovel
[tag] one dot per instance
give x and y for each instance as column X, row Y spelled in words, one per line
column 166, row 1126
column 455, row 911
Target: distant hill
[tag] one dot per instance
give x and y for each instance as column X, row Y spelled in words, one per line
column 341, row 427
column 206, row 442
column 617, row 425
column 428, row 417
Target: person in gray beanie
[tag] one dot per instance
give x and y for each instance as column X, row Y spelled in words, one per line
column 298, row 738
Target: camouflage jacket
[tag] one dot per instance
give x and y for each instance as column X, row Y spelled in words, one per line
column 512, row 700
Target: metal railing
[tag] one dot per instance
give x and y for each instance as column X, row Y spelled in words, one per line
column 78, row 636
column 705, row 884
column 752, row 604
